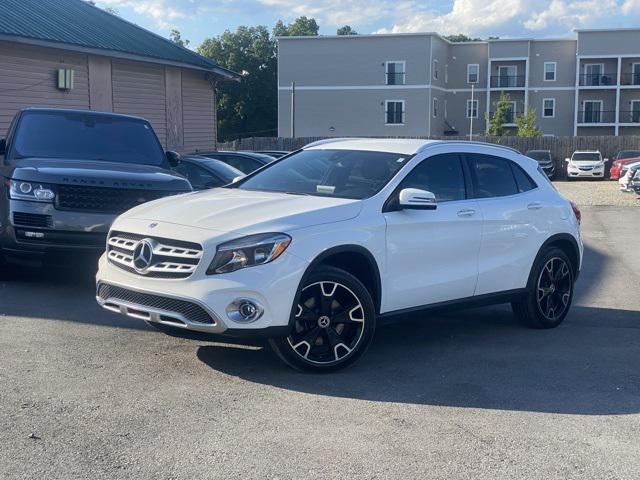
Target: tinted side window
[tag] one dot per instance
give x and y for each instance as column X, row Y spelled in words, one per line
column 523, row 180
column 441, row 174
column 245, row 165
column 492, row 176
column 198, row 176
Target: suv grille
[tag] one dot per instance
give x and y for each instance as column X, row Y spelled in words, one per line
column 190, row 311
column 32, row 220
column 169, row 259
column 104, row 200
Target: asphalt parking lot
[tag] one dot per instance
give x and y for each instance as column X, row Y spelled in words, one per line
column 87, row 394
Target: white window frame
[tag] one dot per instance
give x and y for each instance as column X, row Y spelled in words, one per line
column 634, row 66
column 471, row 110
column 386, row 109
column 446, row 73
column 515, row 69
column 477, row 65
column 555, row 71
column 404, row 72
column 584, row 110
column 584, row 71
column 434, row 107
column 435, row 68
column 544, row 115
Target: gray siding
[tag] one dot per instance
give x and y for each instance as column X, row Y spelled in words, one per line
column 619, row 42
column 28, row 78
column 563, row 53
column 139, row 89
column 508, row 49
column 463, row 54
column 199, row 110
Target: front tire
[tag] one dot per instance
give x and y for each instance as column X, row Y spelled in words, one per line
column 549, row 291
column 333, row 323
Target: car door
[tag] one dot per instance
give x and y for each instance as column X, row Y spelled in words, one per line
column 513, row 226
column 432, row 255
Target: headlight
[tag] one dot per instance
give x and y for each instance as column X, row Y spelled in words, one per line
column 248, row 252
column 31, row 191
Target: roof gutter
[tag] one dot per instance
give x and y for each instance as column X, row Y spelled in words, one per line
column 220, row 71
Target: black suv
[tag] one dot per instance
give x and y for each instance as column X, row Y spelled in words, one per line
column 66, row 174
column 545, row 160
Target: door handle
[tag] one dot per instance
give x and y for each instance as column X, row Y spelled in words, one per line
column 467, row 212
column 534, row 206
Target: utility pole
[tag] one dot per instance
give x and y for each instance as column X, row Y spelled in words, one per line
column 471, row 116
column 293, row 109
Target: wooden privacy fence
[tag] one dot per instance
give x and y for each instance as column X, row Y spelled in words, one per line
column 561, row 147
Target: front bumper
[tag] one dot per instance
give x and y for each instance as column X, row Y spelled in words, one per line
column 199, row 303
column 577, row 173
column 32, row 230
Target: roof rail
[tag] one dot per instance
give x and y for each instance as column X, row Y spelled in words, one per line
column 328, row 140
column 468, row 142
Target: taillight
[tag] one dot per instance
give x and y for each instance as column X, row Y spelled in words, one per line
column 576, row 212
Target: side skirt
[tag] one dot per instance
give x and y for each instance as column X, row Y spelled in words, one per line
column 452, row 305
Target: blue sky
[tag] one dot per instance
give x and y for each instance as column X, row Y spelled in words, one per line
column 199, row 19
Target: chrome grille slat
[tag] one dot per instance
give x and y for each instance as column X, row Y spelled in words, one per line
column 172, row 258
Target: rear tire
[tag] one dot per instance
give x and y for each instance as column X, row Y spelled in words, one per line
column 333, row 323
column 549, row 291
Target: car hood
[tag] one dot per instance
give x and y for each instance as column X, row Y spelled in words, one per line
column 587, row 163
column 246, row 212
column 95, row 173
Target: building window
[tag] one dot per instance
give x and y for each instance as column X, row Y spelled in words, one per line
column 510, row 117
column 592, row 111
column 435, row 107
column 473, row 73
column 472, row 108
column 395, row 73
column 548, row 108
column 550, row 71
column 635, row 111
column 394, row 112
column 435, row 69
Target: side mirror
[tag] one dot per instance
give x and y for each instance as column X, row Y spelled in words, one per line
column 3, row 146
column 605, row 160
column 416, row 199
column 173, row 158
column 238, row 178
column 567, row 160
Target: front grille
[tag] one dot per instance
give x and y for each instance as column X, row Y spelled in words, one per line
column 170, row 258
column 32, row 220
column 103, row 200
column 190, row 311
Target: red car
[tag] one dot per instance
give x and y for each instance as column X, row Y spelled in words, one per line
column 617, row 165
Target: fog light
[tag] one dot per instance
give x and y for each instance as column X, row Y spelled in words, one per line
column 244, row 310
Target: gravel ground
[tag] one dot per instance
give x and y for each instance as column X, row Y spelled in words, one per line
column 597, row 193
column 87, row 394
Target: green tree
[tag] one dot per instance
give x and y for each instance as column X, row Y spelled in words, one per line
column 500, row 116
column 176, row 37
column 301, row 27
column 526, row 124
column 461, row 37
column 249, row 107
column 346, row 30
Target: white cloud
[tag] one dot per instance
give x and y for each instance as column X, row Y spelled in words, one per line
column 164, row 13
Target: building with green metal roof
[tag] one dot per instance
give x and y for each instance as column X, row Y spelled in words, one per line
column 71, row 54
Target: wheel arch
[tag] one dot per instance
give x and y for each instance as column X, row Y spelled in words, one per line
column 565, row 242
column 355, row 259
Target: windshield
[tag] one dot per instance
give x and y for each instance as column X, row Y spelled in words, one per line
column 86, row 136
column 225, row 171
column 328, row 173
column 539, row 155
column 628, row 154
column 586, row 157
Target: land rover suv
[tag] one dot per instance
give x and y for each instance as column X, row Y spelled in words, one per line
column 66, row 174
column 315, row 249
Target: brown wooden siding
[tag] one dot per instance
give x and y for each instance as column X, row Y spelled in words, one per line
column 28, row 78
column 198, row 110
column 139, row 89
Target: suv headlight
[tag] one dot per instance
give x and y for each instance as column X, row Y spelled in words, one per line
column 248, row 252
column 31, row 191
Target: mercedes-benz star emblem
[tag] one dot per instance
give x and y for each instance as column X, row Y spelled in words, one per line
column 143, row 255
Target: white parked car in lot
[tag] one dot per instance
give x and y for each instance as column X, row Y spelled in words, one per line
column 586, row 164
column 317, row 248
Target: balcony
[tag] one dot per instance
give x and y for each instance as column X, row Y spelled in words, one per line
column 629, row 116
column 598, row 79
column 507, row 81
column 596, row 117
column 630, row 79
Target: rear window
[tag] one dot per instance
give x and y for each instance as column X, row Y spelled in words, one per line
column 86, row 136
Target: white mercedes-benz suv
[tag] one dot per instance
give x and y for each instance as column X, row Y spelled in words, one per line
column 316, row 248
